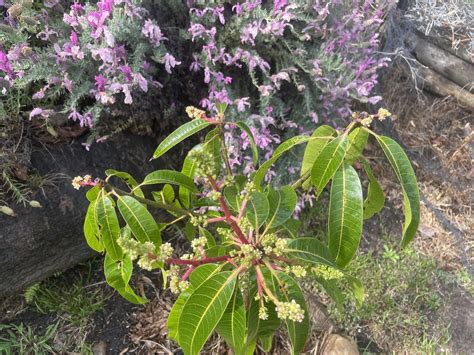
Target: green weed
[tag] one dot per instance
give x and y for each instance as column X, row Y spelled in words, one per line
column 21, row 339
column 401, row 299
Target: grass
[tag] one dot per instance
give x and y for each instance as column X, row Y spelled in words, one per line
column 69, row 298
column 402, row 299
column 21, row 339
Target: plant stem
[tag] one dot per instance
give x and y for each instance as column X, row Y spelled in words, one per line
column 229, row 218
column 164, row 206
column 301, row 180
column 195, row 263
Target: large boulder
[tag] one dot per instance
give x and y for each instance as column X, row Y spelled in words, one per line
column 41, row 241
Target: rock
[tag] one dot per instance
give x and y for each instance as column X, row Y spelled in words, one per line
column 38, row 242
column 336, row 344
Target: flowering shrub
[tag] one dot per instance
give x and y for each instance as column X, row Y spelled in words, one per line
column 240, row 276
column 320, row 54
column 104, row 51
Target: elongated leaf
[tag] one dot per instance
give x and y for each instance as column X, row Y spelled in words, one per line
column 357, row 142
column 109, row 226
column 232, row 198
column 140, row 221
column 405, row 174
column 333, row 291
column 243, row 126
column 290, row 228
column 211, row 242
column 287, row 289
column 375, row 199
column 357, row 289
column 128, row 179
column 309, row 250
column 91, row 229
column 203, row 311
column 92, row 193
column 170, row 177
column 117, row 275
column 327, row 163
column 345, row 215
column 189, row 166
column 266, row 343
column 315, row 146
column 197, row 277
column 282, row 148
column 233, row 324
column 282, row 205
column 180, row 134
column 257, row 209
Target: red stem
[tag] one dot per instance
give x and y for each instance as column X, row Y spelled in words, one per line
column 216, row 219
column 204, row 260
column 227, row 213
column 187, row 273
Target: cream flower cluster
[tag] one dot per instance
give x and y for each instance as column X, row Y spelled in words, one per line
column 290, row 310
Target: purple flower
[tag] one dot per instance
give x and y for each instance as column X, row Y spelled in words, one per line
column 100, row 82
column 170, row 62
column 153, row 33
column 242, row 103
column 38, row 112
column 5, row 65
column 74, row 39
column 127, row 72
column 279, row 4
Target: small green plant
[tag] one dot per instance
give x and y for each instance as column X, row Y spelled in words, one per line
column 402, row 298
column 21, row 339
column 70, row 300
column 241, row 276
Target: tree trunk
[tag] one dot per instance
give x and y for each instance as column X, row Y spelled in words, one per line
column 41, row 241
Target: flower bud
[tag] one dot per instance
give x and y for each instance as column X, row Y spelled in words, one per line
column 7, row 210
column 35, row 204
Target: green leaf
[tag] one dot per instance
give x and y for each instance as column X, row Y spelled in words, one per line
column 405, row 174
column 211, row 242
column 290, row 228
column 357, row 289
column 197, row 277
column 232, row 198
column 118, row 274
column 345, row 215
column 257, row 209
column 170, row 177
column 189, row 166
column 357, row 141
column 282, row 205
column 128, row 179
column 189, row 231
column 92, row 193
column 203, row 311
column 314, row 147
column 327, row 163
column 233, row 324
column 287, row 289
column 243, row 126
column 266, row 343
column 333, row 291
column 282, row 148
column 140, row 221
column 309, row 250
column 375, row 199
column 91, row 229
column 109, row 226
column 180, row 134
